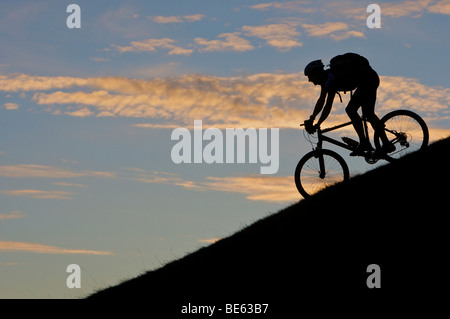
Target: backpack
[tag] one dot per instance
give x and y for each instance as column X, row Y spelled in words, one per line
column 346, row 68
column 348, row 62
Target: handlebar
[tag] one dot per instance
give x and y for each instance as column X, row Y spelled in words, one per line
column 316, row 128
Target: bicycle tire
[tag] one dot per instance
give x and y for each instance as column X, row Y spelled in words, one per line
column 411, row 126
column 307, row 173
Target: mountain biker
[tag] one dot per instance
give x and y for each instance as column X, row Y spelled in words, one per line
column 348, row 72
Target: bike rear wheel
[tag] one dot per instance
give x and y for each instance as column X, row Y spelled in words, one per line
column 406, row 130
column 308, row 177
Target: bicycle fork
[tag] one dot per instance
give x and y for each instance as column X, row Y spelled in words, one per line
column 321, row 166
column 319, row 155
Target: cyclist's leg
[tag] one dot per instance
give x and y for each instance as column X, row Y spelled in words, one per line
column 352, row 112
column 368, row 99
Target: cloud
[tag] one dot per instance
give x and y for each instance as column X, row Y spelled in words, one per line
column 275, row 189
column 393, row 9
column 24, row 82
column 68, row 184
column 397, row 92
column 263, row 100
column 232, row 42
column 153, row 125
column 406, row 8
column 334, row 30
column 151, row 45
column 42, row 171
column 354, row 10
column 83, row 112
column 194, row 17
column 209, row 240
column 161, row 19
column 281, row 36
column 10, row 264
column 265, row 188
column 11, row 106
column 442, row 7
column 37, row 194
column 15, row 246
column 291, row 6
column 15, row 214
column 177, row 19
column 156, row 177
column 97, row 59
column 51, row 172
column 258, row 100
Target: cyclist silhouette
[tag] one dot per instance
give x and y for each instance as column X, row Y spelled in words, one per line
column 348, row 72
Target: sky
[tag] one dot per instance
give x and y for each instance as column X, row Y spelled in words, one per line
column 87, row 115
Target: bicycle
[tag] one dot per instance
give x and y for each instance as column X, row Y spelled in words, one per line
column 323, row 167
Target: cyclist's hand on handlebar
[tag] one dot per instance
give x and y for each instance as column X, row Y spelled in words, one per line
column 310, row 127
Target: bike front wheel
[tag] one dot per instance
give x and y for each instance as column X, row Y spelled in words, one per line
column 406, row 130
column 310, row 178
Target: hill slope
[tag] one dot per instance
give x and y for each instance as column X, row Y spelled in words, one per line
column 317, row 251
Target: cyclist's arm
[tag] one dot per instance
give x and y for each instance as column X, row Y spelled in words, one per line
column 327, row 109
column 320, row 102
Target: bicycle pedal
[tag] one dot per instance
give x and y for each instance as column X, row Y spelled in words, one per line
column 350, row 142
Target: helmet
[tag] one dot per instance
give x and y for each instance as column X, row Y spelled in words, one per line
column 313, row 67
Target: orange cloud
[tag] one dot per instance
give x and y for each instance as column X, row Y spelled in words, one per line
column 11, row 106
column 406, row 8
column 68, row 184
column 151, row 45
column 232, row 42
column 353, row 9
column 334, row 30
column 259, row 100
column 37, row 194
column 442, row 7
column 281, row 36
column 246, row 101
column 398, row 92
column 276, row 189
column 15, row 214
column 42, row 171
column 161, row 19
column 177, row 19
column 15, row 246
column 24, row 82
column 209, row 240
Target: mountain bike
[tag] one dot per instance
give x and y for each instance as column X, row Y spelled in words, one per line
column 323, row 167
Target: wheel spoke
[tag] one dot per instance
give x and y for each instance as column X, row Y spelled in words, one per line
column 406, row 130
column 409, row 133
column 309, row 176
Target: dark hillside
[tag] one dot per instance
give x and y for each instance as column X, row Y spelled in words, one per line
column 314, row 254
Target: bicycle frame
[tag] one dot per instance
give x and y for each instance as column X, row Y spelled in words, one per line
column 322, row 138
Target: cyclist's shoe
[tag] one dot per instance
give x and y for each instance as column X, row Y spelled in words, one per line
column 385, row 149
column 388, row 148
column 361, row 149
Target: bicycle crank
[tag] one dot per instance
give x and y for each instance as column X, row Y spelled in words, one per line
column 370, row 157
